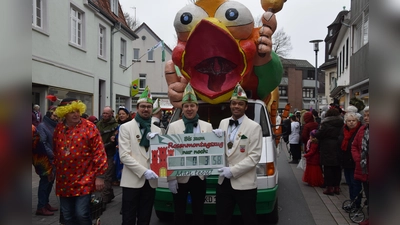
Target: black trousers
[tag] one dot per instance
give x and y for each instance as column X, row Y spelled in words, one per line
column 227, row 198
column 197, row 189
column 295, row 149
column 332, row 175
column 137, row 203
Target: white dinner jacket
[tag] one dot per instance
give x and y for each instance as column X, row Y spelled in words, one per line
column 244, row 155
column 178, row 127
column 134, row 157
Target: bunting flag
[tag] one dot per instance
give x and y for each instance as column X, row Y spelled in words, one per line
column 135, row 87
column 162, row 52
column 159, row 44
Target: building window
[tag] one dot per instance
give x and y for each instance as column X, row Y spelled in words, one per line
column 360, row 31
column 347, row 52
column 142, row 81
column 344, row 56
column 37, row 13
column 332, row 77
column 77, row 29
column 114, row 6
column 339, row 64
column 329, row 47
column 136, row 54
column 283, row 91
column 150, row 55
column 308, row 93
column 365, row 27
column 310, row 75
column 123, row 53
column 102, row 41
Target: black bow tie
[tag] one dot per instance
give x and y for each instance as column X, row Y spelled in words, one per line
column 195, row 124
column 231, row 122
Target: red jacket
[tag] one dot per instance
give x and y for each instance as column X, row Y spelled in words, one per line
column 309, row 125
column 79, row 157
column 356, row 152
column 312, row 156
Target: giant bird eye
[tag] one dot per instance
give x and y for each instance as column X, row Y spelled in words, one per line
column 231, row 14
column 186, row 18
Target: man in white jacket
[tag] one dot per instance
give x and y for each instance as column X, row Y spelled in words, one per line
column 237, row 183
column 196, row 185
column 138, row 182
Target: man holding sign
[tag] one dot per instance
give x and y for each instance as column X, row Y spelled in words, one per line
column 182, row 185
column 138, row 181
column 238, row 181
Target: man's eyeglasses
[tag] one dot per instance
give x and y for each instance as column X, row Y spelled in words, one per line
column 145, row 106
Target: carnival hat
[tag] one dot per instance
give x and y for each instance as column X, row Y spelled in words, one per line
column 68, row 105
column 239, row 93
column 156, row 106
column 188, row 95
column 145, row 96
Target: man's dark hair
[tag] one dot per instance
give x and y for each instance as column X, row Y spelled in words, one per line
column 332, row 112
column 314, row 112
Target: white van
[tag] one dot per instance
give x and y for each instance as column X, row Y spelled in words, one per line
column 267, row 172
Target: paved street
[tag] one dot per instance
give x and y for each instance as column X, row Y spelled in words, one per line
column 315, row 206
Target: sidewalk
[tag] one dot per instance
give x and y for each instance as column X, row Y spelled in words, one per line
column 326, row 210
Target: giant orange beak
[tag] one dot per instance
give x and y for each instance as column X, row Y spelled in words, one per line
column 214, row 70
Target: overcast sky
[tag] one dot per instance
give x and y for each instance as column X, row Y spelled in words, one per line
column 302, row 20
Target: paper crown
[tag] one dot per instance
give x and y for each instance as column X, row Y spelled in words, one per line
column 156, row 106
column 188, row 95
column 239, row 93
column 145, row 96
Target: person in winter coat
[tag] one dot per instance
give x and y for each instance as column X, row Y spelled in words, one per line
column 309, row 125
column 360, row 153
column 313, row 173
column 107, row 127
column 294, row 140
column 46, row 130
column 327, row 136
column 350, row 128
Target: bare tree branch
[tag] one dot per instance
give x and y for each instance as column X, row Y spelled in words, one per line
column 281, row 44
column 132, row 23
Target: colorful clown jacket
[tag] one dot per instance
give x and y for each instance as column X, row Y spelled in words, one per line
column 40, row 159
column 79, row 157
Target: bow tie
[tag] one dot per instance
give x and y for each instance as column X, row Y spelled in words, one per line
column 195, row 124
column 231, row 122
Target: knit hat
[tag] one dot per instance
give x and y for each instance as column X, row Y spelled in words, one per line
column 156, row 106
column 188, row 95
column 124, row 109
column 239, row 93
column 313, row 132
column 145, row 96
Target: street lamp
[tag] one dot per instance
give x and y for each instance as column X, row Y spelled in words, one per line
column 316, row 49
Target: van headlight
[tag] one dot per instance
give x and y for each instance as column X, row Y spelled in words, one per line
column 265, row 169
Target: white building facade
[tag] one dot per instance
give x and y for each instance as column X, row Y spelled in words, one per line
column 80, row 49
column 148, row 65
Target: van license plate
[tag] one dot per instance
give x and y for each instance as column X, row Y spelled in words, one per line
column 210, row 199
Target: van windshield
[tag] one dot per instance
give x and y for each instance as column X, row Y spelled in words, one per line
column 215, row 113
